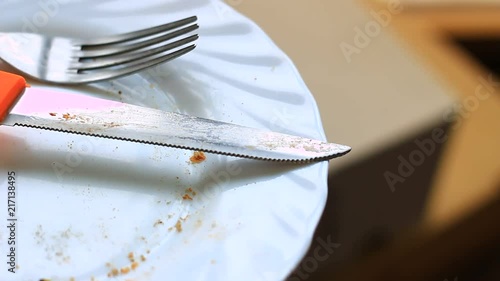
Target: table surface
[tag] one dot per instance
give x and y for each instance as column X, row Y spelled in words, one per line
column 378, row 97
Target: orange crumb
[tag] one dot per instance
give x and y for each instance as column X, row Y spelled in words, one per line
column 178, row 226
column 68, row 116
column 27, row 85
column 190, row 190
column 125, row 270
column 114, row 272
column 198, row 157
column 131, row 257
column 134, row 265
column 187, row 197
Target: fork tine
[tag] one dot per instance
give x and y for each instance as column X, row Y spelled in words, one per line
column 99, row 75
column 119, row 38
column 118, row 49
column 131, row 57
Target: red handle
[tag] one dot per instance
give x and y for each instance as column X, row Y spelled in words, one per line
column 11, row 86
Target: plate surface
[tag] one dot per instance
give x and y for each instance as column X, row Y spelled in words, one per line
column 88, row 208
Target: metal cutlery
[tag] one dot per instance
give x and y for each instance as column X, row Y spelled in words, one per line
column 75, row 61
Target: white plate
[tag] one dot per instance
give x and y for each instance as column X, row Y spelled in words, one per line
column 83, row 204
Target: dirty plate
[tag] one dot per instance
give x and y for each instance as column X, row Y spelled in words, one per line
column 98, row 209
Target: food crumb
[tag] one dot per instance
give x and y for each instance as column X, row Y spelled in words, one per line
column 134, row 265
column 190, row 190
column 131, row 257
column 113, row 273
column 198, row 157
column 52, row 114
column 125, row 270
column 178, row 226
column 213, row 262
column 72, row 279
column 68, row 116
column 143, row 258
column 158, row 222
column 199, row 223
column 187, row 197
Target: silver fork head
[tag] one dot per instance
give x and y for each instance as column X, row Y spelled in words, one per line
column 73, row 61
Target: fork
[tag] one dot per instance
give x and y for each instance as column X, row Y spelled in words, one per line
column 76, row 61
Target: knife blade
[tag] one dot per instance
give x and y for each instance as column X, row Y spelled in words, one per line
column 94, row 117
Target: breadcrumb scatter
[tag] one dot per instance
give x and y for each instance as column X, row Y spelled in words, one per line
column 187, row 197
column 178, row 226
column 158, row 222
column 143, row 258
column 134, row 265
column 125, row 270
column 198, row 157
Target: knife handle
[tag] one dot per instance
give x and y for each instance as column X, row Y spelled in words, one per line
column 11, row 87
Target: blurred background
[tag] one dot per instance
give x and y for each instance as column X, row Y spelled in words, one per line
column 412, row 86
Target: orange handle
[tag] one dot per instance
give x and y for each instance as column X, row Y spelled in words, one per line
column 11, row 86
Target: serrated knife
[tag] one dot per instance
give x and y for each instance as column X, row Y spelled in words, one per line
column 80, row 114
